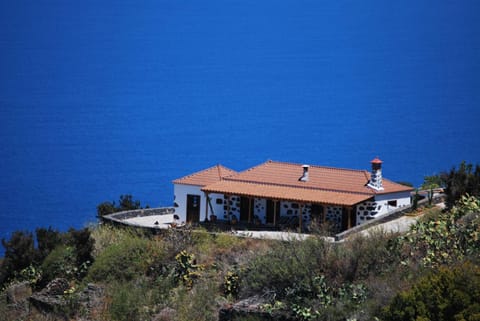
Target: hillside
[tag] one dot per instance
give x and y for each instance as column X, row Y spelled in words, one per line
column 108, row 273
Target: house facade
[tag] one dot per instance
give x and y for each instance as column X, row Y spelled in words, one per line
column 274, row 193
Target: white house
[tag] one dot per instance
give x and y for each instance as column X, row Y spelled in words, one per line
column 191, row 202
column 274, row 193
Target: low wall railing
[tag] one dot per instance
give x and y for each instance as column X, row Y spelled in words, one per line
column 119, row 217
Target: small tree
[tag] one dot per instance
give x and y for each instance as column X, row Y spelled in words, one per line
column 19, row 254
column 415, row 199
column 106, row 208
column 47, row 240
column 84, row 244
column 429, row 183
column 126, row 203
column 444, row 295
column 458, row 182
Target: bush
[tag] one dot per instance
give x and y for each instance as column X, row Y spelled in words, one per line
column 60, row 263
column 129, row 258
column 84, row 245
column 461, row 181
column 198, row 303
column 20, row 253
column 444, row 295
column 126, row 203
column 286, row 265
column 47, row 240
column 446, row 237
column 105, row 235
column 128, row 301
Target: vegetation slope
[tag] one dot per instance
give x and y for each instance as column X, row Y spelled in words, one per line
column 430, row 273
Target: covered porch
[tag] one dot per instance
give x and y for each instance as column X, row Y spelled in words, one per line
column 246, row 211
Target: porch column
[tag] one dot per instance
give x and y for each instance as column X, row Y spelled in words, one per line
column 250, row 201
column 206, row 207
column 228, row 206
column 300, row 219
column 275, row 212
column 349, row 219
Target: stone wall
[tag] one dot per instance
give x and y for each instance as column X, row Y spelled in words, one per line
column 290, row 209
column 386, row 217
column 231, row 206
column 334, row 217
column 367, row 211
column 260, row 209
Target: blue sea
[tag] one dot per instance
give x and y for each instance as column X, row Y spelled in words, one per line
column 103, row 98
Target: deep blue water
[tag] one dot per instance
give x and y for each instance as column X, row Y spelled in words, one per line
column 102, row 98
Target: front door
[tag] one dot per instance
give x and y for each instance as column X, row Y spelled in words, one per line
column 273, row 211
column 193, row 208
column 348, row 218
column 245, row 208
column 317, row 213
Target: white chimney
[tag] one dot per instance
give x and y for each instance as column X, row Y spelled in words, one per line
column 304, row 177
column 376, row 175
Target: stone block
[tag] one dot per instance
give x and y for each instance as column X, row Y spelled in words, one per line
column 18, row 292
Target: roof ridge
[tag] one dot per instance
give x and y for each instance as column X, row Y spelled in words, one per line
column 205, row 170
column 319, row 166
column 256, row 166
column 294, row 186
column 219, row 172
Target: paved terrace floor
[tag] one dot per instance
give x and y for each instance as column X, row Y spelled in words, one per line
column 151, row 221
column 399, row 225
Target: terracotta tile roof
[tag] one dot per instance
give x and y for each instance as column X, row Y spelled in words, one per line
column 279, row 192
column 207, row 176
column 325, row 184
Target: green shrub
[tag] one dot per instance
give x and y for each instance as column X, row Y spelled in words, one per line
column 126, row 203
column 130, row 301
column 197, row 303
column 444, row 295
column 47, row 240
column 226, row 241
column 84, row 245
column 60, row 263
column 19, row 254
column 461, row 181
column 105, row 235
column 285, row 265
column 445, row 238
column 125, row 260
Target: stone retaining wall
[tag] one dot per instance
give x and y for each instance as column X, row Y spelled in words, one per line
column 387, row 217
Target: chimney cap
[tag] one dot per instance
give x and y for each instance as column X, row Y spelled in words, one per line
column 305, row 166
column 376, row 160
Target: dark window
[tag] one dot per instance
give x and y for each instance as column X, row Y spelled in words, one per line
column 392, row 203
column 219, row 201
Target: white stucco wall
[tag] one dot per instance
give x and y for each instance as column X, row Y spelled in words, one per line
column 372, row 209
column 365, row 211
column 181, row 191
column 218, row 203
